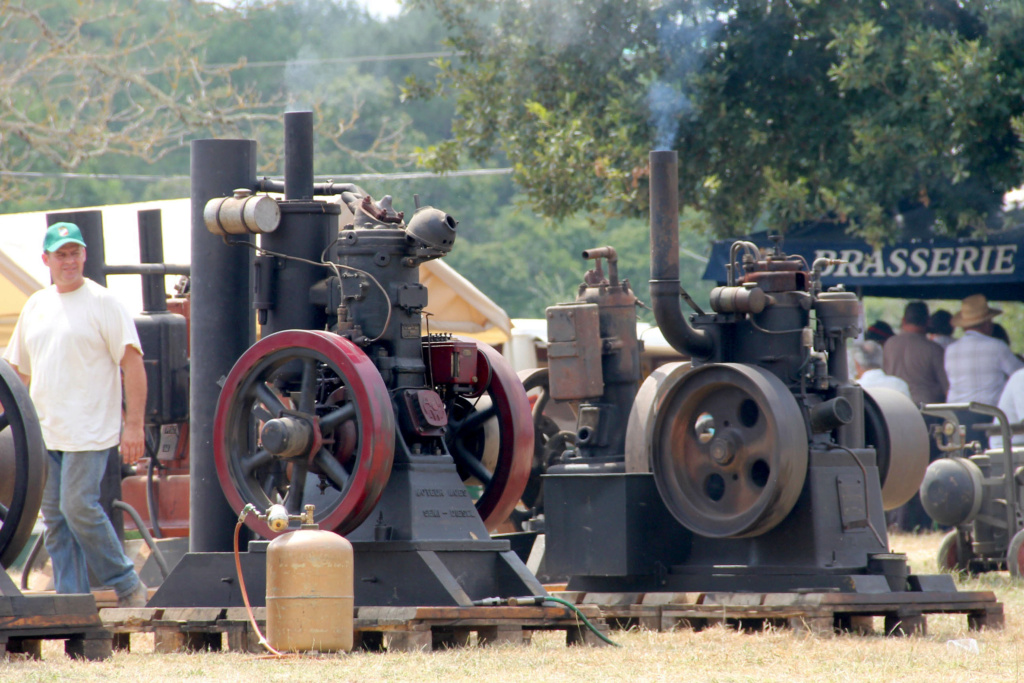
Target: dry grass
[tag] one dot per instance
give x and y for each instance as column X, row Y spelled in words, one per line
column 716, row 654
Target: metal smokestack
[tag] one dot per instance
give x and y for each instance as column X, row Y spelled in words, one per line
column 665, row 259
column 298, row 155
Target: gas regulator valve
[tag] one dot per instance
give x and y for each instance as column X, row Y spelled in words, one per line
column 278, row 518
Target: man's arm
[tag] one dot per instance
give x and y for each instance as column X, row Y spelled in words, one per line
column 1009, row 362
column 133, row 437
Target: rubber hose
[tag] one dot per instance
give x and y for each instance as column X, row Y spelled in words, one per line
column 541, row 599
column 161, row 561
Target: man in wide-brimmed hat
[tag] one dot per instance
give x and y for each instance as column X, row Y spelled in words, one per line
column 977, row 364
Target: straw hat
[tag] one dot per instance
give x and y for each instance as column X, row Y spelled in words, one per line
column 974, row 310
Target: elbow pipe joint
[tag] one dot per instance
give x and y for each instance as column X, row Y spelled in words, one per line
column 665, row 259
column 669, row 316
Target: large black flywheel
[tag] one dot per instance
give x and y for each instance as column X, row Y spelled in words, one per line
column 22, row 465
column 554, row 431
column 728, row 449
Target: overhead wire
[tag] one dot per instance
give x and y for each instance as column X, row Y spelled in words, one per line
column 337, row 60
column 400, row 175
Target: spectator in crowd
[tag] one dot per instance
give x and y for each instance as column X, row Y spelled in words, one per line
column 912, row 357
column 879, row 331
column 940, row 327
column 867, row 363
column 977, row 364
column 74, row 346
column 1012, row 404
column 1000, row 333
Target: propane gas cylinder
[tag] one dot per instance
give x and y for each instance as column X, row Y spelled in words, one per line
column 309, row 591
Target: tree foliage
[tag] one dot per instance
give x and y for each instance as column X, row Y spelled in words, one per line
column 82, row 80
column 332, row 58
column 782, row 111
column 120, row 87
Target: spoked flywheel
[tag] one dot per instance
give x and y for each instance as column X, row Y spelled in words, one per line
column 22, row 465
column 491, row 439
column 305, row 418
column 729, row 449
column 554, row 431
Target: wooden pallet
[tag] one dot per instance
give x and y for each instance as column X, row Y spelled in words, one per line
column 185, row 629
column 376, row 628
column 427, row 628
column 821, row 613
column 26, row 621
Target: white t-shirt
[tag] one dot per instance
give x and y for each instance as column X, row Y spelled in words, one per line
column 71, row 346
column 877, row 378
column 1012, row 404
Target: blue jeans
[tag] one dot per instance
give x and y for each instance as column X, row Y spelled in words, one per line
column 79, row 534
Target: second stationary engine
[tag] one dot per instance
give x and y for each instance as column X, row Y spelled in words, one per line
column 756, row 465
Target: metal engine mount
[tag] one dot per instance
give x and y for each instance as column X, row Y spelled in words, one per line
column 757, row 465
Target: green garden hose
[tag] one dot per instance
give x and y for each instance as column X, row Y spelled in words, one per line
column 541, row 599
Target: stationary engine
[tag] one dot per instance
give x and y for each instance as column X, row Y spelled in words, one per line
column 756, row 465
column 411, row 444
column 979, row 493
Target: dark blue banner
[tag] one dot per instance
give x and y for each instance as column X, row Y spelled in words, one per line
column 934, row 268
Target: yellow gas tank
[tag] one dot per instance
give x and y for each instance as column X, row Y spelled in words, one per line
column 310, row 591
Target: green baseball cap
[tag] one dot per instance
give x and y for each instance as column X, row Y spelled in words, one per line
column 59, row 234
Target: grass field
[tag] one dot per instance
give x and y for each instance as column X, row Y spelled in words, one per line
column 716, row 654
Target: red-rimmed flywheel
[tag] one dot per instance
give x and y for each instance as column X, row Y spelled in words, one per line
column 490, row 436
column 304, row 418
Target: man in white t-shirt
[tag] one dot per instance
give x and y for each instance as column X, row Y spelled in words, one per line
column 1011, row 402
column 72, row 342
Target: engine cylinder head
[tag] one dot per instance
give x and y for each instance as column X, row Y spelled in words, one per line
column 433, row 227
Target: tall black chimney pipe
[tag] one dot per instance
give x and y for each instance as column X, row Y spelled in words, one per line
column 298, row 155
column 665, row 259
column 223, row 328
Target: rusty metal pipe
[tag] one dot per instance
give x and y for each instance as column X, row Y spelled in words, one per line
column 665, row 259
column 601, row 252
column 611, row 256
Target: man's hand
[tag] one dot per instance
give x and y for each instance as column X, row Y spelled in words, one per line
column 133, row 435
column 133, row 444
